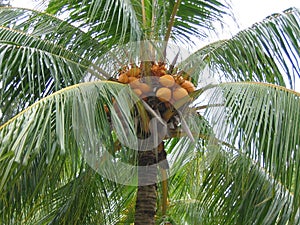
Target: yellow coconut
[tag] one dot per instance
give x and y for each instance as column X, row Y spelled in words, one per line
column 167, row 80
column 134, row 83
column 131, row 79
column 158, row 70
column 179, row 80
column 134, row 72
column 189, row 86
column 164, row 94
column 137, row 91
column 162, row 72
column 144, row 87
column 179, row 93
column 123, row 78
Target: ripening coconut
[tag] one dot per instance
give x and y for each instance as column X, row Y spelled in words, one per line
column 134, row 82
column 144, row 87
column 179, row 93
column 131, row 79
column 134, row 72
column 189, row 86
column 179, row 80
column 167, row 80
column 158, row 70
column 137, row 91
column 123, row 78
column 164, row 94
column 162, row 72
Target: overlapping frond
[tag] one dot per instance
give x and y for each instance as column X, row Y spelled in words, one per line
column 60, row 139
column 142, row 19
column 255, row 181
column 50, row 152
column 39, row 54
column 196, row 18
column 115, row 21
column 266, row 52
column 46, row 173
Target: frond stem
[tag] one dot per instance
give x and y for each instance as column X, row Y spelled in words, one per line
column 144, row 13
column 52, row 95
column 153, row 18
column 207, row 106
column 172, row 20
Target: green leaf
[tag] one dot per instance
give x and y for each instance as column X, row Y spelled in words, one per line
column 44, row 172
column 266, row 52
column 40, row 55
column 252, row 176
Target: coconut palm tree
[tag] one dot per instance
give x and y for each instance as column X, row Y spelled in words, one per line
column 229, row 153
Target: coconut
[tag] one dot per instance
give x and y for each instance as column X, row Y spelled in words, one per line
column 132, row 79
column 144, row 87
column 158, row 70
column 164, row 94
column 167, row 80
column 137, row 91
column 134, row 72
column 189, row 86
column 179, row 80
column 123, row 78
column 179, row 93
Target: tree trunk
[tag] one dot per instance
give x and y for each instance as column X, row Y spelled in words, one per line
column 145, row 208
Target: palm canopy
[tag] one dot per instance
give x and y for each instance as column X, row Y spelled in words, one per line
column 245, row 171
column 133, row 20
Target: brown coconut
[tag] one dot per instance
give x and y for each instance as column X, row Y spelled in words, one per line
column 132, row 79
column 144, row 88
column 179, row 80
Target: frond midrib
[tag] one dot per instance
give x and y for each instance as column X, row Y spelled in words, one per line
column 53, row 95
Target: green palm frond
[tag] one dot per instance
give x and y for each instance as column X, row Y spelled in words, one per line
column 142, row 19
column 196, row 18
column 66, row 145
column 266, row 52
column 113, row 20
column 255, row 181
column 60, row 139
column 45, row 176
column 39, row 55
column 267, row 126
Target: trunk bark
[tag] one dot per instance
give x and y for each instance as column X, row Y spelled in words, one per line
column 145, row 208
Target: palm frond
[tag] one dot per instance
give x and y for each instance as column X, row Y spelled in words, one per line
column 134, row 21
column 49, row 150
column 266, row 128
column 116, row 21
column 58, row 139
column 266, row 52
column 255, row 181
column 196, row 18
column 39, row 55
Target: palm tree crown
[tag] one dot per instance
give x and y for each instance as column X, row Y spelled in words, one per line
column 66, row 132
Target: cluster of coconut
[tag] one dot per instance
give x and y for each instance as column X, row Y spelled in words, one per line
column 167, row 87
